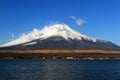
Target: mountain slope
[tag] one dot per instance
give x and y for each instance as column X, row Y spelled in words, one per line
column 58, row 36
column 62, row 30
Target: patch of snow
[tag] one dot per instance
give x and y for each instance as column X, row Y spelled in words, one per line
column 31, row 43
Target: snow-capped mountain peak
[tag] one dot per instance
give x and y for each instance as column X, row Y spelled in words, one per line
column 62, row 30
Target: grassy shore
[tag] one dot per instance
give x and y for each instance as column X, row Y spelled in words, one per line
column 60, row 54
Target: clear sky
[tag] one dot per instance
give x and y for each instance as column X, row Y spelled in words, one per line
column 100, row 18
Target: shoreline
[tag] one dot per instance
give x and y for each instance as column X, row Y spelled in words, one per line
column 60, row 54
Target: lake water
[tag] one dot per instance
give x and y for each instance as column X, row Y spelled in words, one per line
column 48, row 69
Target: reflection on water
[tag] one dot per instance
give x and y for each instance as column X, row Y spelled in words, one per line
column 59, row 69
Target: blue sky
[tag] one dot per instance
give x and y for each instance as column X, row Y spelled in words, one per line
column 102, row 17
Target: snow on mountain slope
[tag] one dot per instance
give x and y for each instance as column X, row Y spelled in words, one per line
column 62, row 30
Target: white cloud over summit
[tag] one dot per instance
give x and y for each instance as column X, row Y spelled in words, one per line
column 78, row 21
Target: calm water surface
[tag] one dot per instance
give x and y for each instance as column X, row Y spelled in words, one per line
column 31, row 69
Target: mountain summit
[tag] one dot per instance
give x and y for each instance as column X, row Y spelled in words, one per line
column 61, row 30
column 59, row 36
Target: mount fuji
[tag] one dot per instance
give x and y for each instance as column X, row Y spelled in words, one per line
column 58, row 37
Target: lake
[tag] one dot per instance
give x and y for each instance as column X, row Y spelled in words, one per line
column 59, row 69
